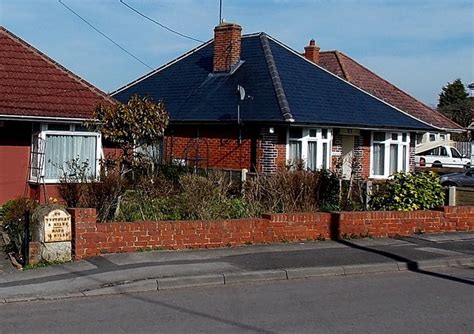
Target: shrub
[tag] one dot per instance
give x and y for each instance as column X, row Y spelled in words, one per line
column 193, row 197
column 328, row 190
column 173, row 172
column 104, row 194
column 79, row 189
column 353, row 195
column 409, row 191
column 292, row 190
column 14, row 212
column 74, row 174
column 204, row 197
column 136, row 205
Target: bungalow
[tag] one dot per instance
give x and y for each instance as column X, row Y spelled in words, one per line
column 42, row 110
column 350, row 70
column 251, row 102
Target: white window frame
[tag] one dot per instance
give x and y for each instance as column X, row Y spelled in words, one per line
column 305, row 139
column 42, row 135
column 142, row 149
column 387, row 142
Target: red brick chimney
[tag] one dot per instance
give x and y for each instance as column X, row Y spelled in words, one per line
column 311, row 52
column 226, row 46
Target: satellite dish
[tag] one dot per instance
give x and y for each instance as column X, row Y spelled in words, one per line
column 241, row 91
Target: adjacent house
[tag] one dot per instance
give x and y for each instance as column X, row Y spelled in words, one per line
column 251, row 102
column 42, row 110
column 350, row 70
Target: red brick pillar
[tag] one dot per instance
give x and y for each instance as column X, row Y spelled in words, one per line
column 34, row 252
column 83, row 227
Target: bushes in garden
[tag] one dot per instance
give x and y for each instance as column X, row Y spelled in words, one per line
column 175, row 193
column 14, row 217
column 409, row 191
column 191, row 196
column 79, row 189
column 292, row 191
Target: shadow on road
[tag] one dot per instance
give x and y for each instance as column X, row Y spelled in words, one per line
column 103, row 265
column 411, row 265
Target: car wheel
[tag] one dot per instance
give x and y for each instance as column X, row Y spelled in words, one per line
column 448, row 184
column 437, row 164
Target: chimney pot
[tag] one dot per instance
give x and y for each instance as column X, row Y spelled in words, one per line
column 311, row 52
column 227, row 40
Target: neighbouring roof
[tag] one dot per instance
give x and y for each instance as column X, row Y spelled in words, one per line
column 281, row 85
column 34, row 85
column 350, row 70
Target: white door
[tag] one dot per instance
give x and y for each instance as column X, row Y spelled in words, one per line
column 347, row 156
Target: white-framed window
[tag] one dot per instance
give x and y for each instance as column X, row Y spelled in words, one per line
column 57, row 144
column 152, row 153
column 419, row 138
column 390, row 153
column 432, row 136
column 312, row 146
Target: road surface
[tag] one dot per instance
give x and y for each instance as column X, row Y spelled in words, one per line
column 403, row 302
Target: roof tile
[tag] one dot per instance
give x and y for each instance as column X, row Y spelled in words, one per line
column 32, row 84
column 347, row 68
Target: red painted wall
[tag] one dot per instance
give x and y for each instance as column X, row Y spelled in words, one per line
column 15, row 141
column 15, row 147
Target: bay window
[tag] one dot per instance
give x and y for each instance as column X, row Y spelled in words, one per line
column 309, row 146
column 59, row 144
column 390, row 153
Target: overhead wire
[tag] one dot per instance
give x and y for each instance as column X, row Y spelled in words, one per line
column 135, row 57
column 160, row 24
column 105, row 36
column 168, row 28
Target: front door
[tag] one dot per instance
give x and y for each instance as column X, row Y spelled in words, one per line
column 347, row 156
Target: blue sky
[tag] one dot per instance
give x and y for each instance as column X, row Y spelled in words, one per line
column 419, row 45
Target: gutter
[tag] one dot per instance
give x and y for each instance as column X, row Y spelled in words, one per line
column 286, row 123
column 44, row 118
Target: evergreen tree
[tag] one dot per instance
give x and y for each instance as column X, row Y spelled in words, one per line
column 454, row 103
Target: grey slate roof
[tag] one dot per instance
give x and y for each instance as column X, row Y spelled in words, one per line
column 281, row 84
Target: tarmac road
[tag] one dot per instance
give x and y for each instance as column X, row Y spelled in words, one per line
column 397, row 302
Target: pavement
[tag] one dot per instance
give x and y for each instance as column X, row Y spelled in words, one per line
column 5, row 264
column 161, row 270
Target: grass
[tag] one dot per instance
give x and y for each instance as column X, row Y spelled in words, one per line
column 43, row 264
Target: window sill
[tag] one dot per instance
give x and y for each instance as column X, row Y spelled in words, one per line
column 379, row 177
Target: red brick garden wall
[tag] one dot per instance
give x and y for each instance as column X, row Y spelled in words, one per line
column 91, row 238
column 392, row 223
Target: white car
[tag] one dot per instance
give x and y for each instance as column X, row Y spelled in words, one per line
column 441, row 156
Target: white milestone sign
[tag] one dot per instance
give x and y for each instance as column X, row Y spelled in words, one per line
column 57, row 226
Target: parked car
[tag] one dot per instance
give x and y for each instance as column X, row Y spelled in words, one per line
column 464, row 179
column 442, row 156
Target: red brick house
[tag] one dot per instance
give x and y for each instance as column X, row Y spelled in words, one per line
column 42, row 109
column 321, row 107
